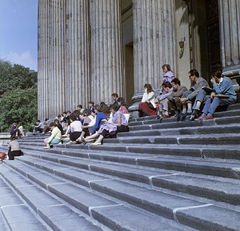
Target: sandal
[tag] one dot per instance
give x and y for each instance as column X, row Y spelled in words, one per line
column 96, row 144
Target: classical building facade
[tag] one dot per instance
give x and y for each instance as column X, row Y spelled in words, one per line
column 89, row 49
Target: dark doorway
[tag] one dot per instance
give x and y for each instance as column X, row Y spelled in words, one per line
column 129, row 72
column 212, row 23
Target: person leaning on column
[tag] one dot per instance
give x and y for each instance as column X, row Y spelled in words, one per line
column 224, row 94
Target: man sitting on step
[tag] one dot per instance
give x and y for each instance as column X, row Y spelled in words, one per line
column 224, row 94
column 195, row 94
column 174, row 102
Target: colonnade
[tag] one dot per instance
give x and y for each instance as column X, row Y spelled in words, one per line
column 80, row 49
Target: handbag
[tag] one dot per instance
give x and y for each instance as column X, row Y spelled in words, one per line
column 2, row 155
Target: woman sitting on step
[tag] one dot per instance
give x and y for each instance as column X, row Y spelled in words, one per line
column 55, row 137
column 14, row 148
column 118, row 124
column 147, row 106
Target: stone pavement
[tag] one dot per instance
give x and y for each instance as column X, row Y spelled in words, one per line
column 158, row 176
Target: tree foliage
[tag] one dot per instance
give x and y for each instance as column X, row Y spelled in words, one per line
column 18, row 96
column 15, row 76
column 18, row 106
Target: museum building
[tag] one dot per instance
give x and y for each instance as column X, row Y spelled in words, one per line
column 89, row 49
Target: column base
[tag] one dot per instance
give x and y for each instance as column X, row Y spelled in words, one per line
column 234, row 74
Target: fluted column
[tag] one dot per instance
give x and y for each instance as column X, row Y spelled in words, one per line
column 77, row 83
column 153, row 41
column 43, row 94
column 56, row 57
column 230, row 38
column 106, row 52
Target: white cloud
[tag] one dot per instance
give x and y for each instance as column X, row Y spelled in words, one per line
column 24, row 59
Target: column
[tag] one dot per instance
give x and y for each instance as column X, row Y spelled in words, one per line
column 229, row 11
column 43, row 97
column 106, row 50
column 77, row 81
column 56, row 57
column 154, row 42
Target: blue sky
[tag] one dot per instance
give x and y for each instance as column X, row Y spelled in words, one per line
column 18, row 32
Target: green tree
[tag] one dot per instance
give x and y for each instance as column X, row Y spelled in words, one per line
column 18, row 106
column 15, row 76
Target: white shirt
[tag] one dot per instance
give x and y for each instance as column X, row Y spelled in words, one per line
column 76, row 126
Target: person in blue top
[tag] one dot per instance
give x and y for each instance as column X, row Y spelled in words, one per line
column 101, row 117
column 224, row 94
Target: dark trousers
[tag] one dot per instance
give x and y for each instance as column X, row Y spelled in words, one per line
column 175, row 105
column 122, row 128
column 74, row 135
column 11, row 154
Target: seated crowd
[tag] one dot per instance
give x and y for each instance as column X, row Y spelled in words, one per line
column 89, row 125
column 199, row 102
column 102, row 121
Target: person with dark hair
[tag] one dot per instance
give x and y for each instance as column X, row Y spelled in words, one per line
column 147, row 106
column 174, row 103
column 118, row 124
column 14, row 148
column 223, row 95
column 86, row 120
column 193, row 95
column 14, row 130
column 162, row 100
column 75, row 128
column 55, row 137
column 169, row 75
column 79, row 108
column 115, row 98
column 90, row 106
column 56, row 121
column 100, row 120
column 122, row 105
column 46, row 126
column 38, row 127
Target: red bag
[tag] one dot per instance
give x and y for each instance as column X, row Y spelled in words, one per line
column 2, row 155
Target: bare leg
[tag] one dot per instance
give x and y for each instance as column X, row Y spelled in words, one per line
column 99, row 140
column 91, row 138
column 47, row 144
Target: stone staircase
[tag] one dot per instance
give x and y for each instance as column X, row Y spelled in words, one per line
column 158, row 176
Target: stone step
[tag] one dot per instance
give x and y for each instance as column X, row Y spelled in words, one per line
column 221, row 189
column 112, row 214
column 216, row 139
column 196, row 150
column 189, row 164
column 15, row 214
column 166, row 205
column 57, row 215
column 174, row 124
column 229, row 108
column 216, row 129
column 205, row 139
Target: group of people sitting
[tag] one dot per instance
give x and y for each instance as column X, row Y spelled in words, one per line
column 199, row 102
column 83, row 126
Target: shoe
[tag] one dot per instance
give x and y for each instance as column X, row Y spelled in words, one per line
column 200, row 118
column 64, row 135
column 79, row 140
column 46, row 147
column 166, row 116
column 195, row 115
column 208, row 118
column 66, row 139
column 96, row 143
